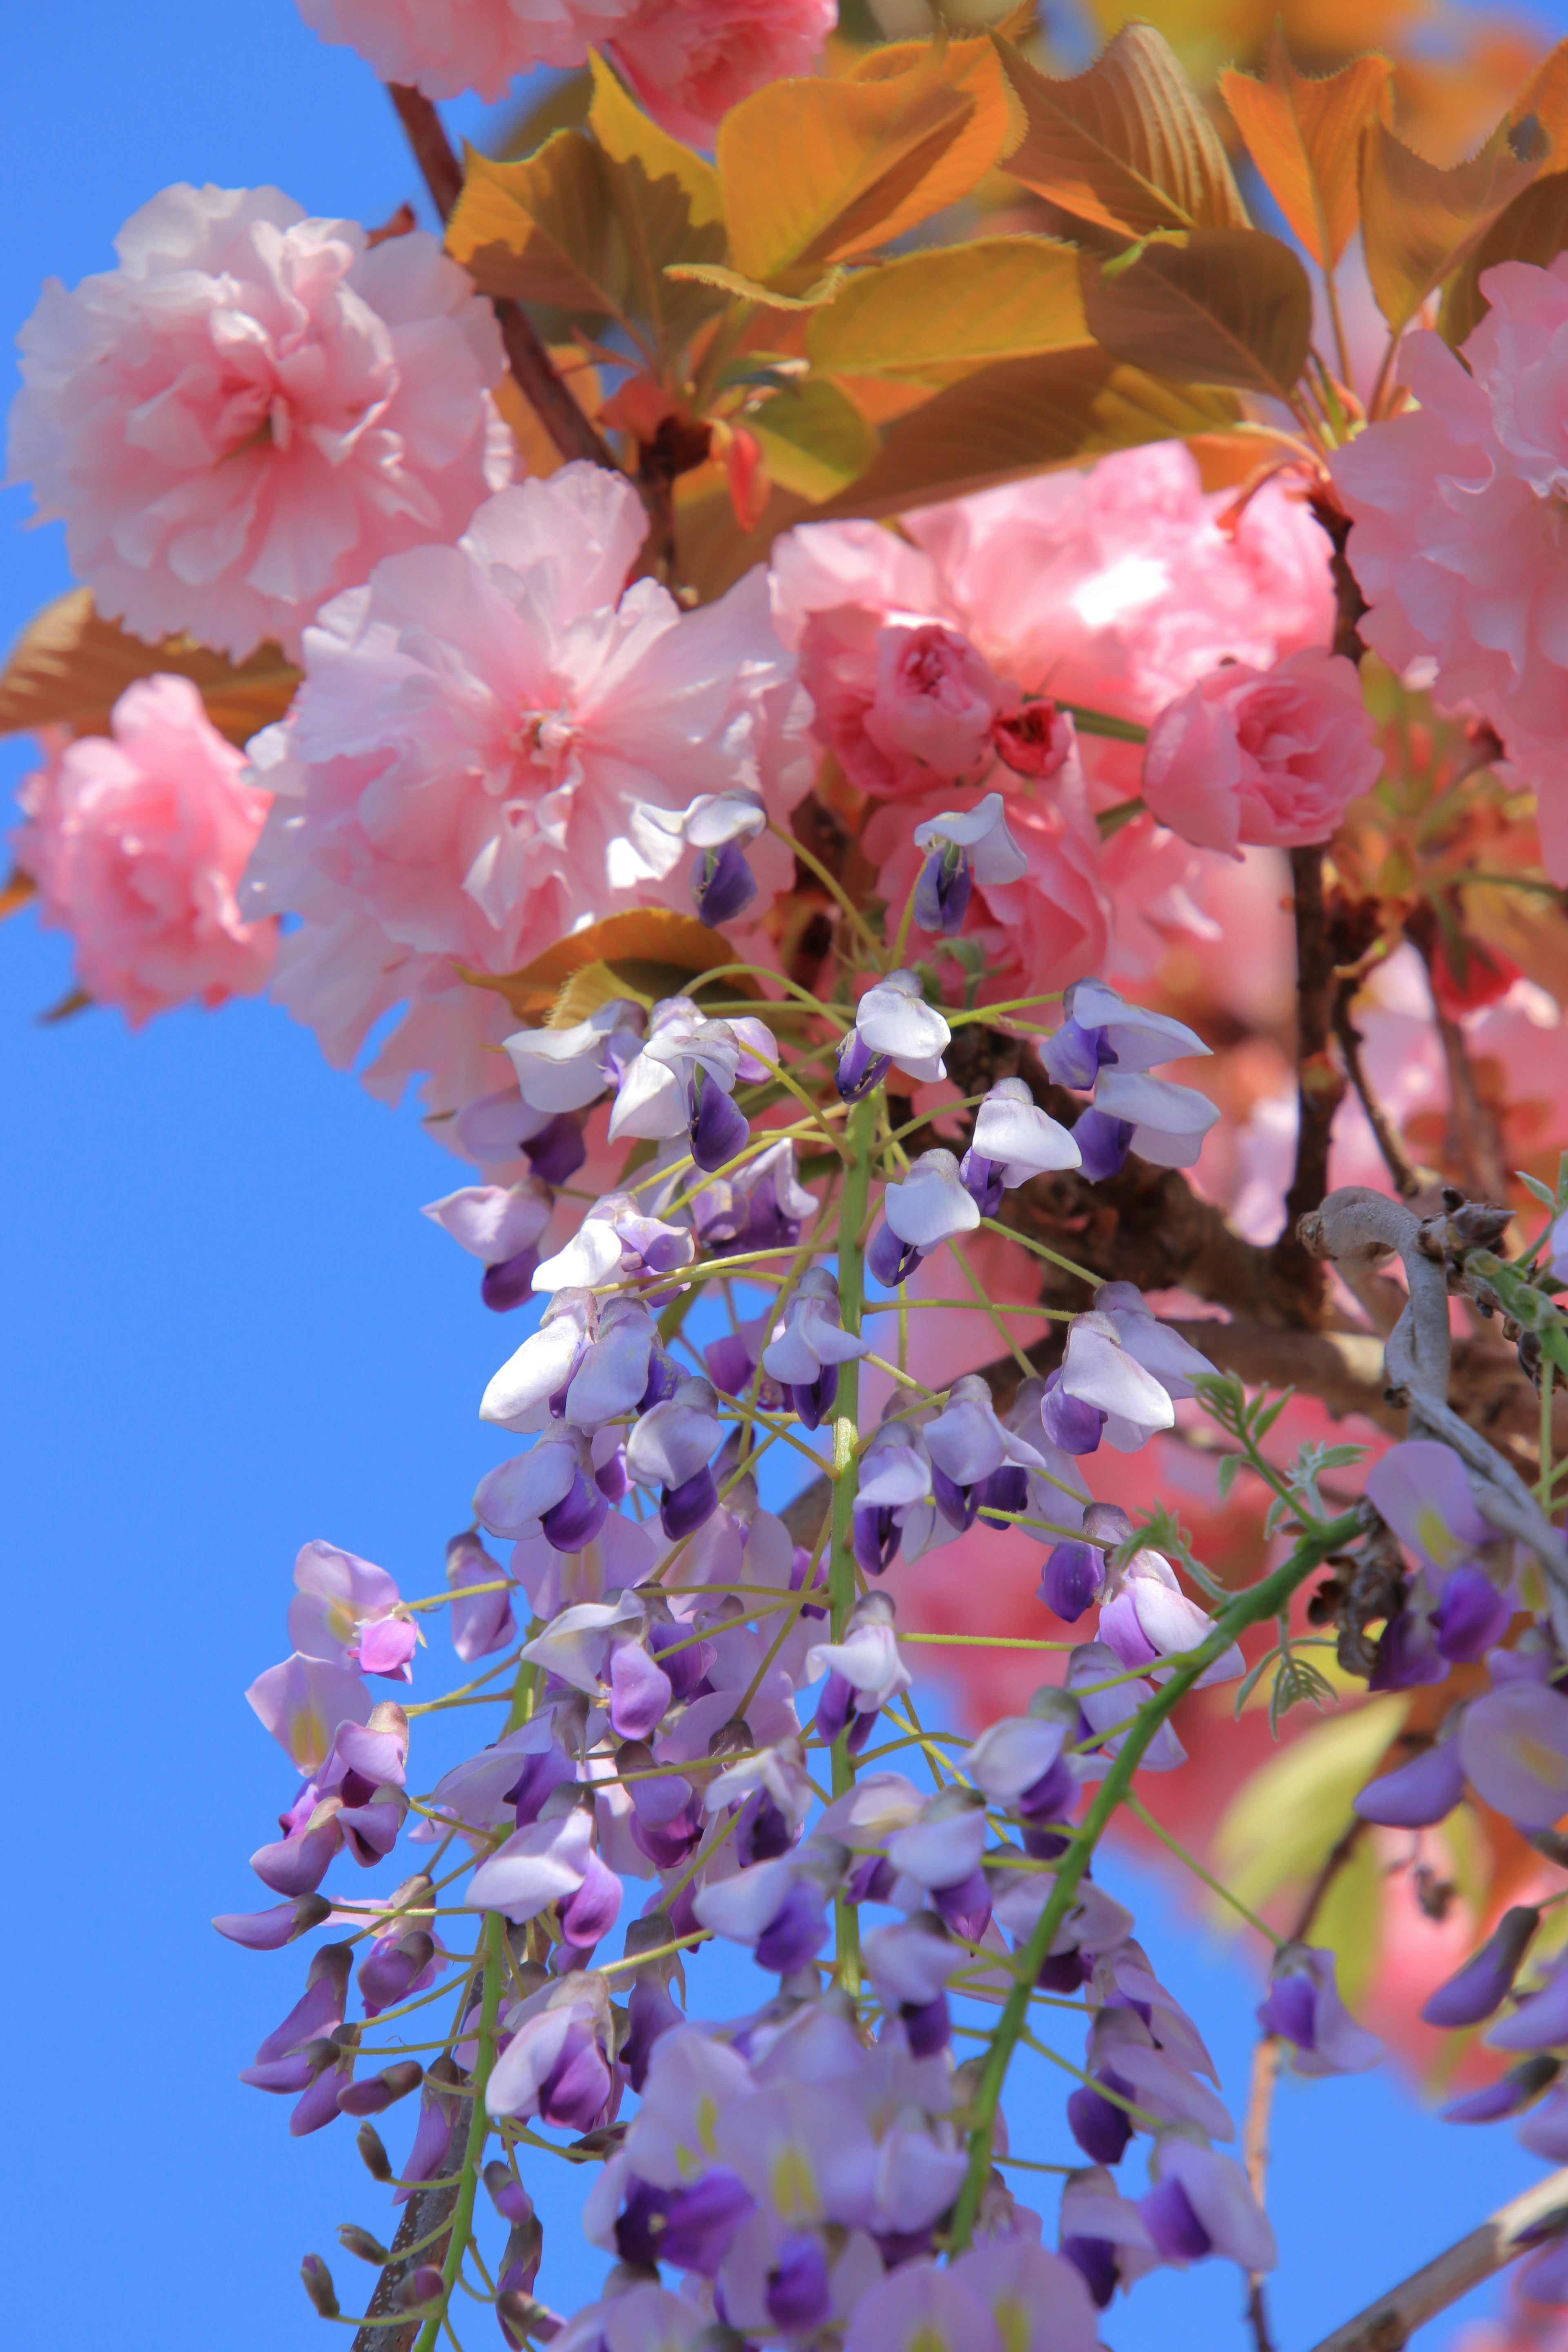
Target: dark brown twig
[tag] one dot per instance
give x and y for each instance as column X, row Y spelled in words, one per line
column 1320, row 1082
column 1539, row 2214
column 427, row 2211
column 534, row 372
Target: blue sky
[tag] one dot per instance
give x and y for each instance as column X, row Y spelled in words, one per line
column 227, row 1330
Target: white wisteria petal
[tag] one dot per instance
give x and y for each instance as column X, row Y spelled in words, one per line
column 931, row 1205
column 1010, row 1128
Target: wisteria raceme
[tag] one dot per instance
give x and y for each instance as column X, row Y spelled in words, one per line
column 794, row 923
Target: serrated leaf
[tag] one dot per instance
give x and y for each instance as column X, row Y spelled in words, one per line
column 999, row 298
column 1419, row 223
column 814, row 172
column 1126, row 146
column 667, row 202
column 748, row 289
column 1222, row 305
column 1533, row 228
column 813, row 438
column 541, row 230
column 1304, row 135
column 1023, row 417
column 70, row 667
column 654, row 935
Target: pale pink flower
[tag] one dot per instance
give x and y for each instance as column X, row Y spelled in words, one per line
column 1273, row 757
column 251, row 410
column 137, row 841
column 688, row 60
column 476, row 761
column 1458, row 536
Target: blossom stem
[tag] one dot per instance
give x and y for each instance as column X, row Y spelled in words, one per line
column 1264, row 1598
column 479, row 2126
column 1054, row 1257
column 831, row 883
column 860, row 1135
column 1141, row 1813
column 1101, row 723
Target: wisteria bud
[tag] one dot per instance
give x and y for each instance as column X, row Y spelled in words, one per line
column 521, row 2316
column 507, row 2193
column 317, row 2281
column 374, row 2093
column 423, row 2284
column 355, row 2240
column 373, row 2152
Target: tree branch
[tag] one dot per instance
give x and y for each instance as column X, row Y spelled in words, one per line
column 426, row 2211
column 533, row 371
column 1319, row 1083
column 1541, row 2213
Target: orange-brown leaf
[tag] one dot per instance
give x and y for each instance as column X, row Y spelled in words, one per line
column 1126, row 146
column 1224, row 306
column 1420, row 222
column 70, row 667
column 15, row 891
column 1534, row 229
column 1304, row 135
column 651, row 937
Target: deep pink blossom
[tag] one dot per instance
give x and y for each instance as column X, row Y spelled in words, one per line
column 690, row 61
column 137, row 841
column 251, row 410
column 1271, row 756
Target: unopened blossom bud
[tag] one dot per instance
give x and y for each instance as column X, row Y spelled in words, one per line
column 1508, row 2096
column 1483, row 1983
column 373, row 2152
column 482, row 1621
column 372, row 2094
column 355, row 2240
column 1034, row 741
column 1416, row 1794
column 1071, row 1579
column 317, row 2282
column 423, row 2284
column 507, row 2193
column 1303, row 2007
column 268, row 1931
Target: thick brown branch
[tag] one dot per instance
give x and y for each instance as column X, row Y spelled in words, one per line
column 428, row 2210
column 533, row 370
column 1320, row 1082
column 1386, row 2325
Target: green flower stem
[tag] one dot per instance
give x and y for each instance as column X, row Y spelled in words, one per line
column 1264, row 1598
column 479, row 2127
column 860, row 1136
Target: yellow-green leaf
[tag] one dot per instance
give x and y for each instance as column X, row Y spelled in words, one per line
column 815, row 170
column 1534, row 228
column 70, row 667
column 1126, row 146
column 813, row 438
column 1304, row 135
column 997, row 299
column 1289, row 1815
column 748, row 289
column 1420, row 222
column 1224, row 306
column 541, row 230
column 643, row 935
column 667, row 202
column 1023, row 417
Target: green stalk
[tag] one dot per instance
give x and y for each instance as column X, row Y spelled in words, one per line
column 1264, row 1598
column 860, row 1137
column 478, row 2129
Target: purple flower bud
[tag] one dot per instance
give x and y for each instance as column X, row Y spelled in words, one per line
column 511, row 1283
column 1508, row 2096
column 317, row 2282
column 268, row 1931
column 813, row 1400
column 943, row 891
column 928, row 2026
column 1482, row 1984
column 858, row 1069
column 1168, row 2217
column 578, row 1517
column 1423, row 1792
column 1071, row 1580
column 640, row 1691
column 721, row 883
column 298, row 1864
column 558, row 1151
column 319, row 2105
column 652, row 2013
column 378, row 2092
column 981, row 1180
column 423, row 2284
column 1075, row 1057
column 509, row 2198
column 373, row 2152
column 1100, row 2127
column 1006, row 1489
column 1472, row 1616
column 589, row 1915
column 877, row 1537
column 719, row 1129
column 388, row 1970
column 1067, row 1421
column 1095, row 2260
column 797, row 2292
column 1407, row 1654
column 1103, row 1143
column 795, row 1933
column 890, row 1260
column 683, row 1509
column 355, row 2240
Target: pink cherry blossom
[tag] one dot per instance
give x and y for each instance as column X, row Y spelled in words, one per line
column 469, row 768
column 137, row 841
column 900, row 703
column 1458, row 538
column 250, row 410
column 1271, row 756
column 688, row 60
